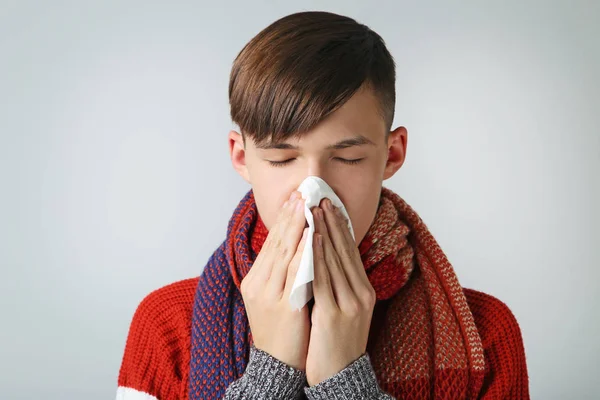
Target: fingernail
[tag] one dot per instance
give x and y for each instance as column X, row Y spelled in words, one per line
column 329, row 205
column 287, row 203
column 319, row 240
column 294, row 195
column 299, row 205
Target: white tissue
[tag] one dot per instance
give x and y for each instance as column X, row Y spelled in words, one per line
column 313, row 190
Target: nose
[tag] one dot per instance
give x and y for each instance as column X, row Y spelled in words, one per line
column 314, row 168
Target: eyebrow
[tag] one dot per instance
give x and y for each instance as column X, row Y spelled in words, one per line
column 359, row 140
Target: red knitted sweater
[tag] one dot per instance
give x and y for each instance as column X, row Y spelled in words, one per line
column 157, row 353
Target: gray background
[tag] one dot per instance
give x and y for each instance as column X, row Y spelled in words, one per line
column 115, row 177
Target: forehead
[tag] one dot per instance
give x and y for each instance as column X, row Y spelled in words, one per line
column 359, row 121
column 362, row 111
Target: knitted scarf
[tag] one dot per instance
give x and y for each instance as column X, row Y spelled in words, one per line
column 423, row 341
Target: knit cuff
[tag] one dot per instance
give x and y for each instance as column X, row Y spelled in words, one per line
column 268, row 378
column 357, row 381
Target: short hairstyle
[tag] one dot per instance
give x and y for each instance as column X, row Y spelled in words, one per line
column 303, row 67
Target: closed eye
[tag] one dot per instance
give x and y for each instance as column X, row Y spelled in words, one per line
column 281, row 163
column 350, row 162
column 343, row 160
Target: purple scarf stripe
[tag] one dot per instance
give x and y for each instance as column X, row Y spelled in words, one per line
column 220, row 342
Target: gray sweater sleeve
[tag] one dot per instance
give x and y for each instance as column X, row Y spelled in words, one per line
column 268, row 378
column 355, row 382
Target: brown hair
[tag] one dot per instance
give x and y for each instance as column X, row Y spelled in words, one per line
column 303, row 67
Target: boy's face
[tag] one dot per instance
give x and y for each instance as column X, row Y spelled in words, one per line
column 348, row 150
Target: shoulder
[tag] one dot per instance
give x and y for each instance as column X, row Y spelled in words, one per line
column 157, row 348
column 492, row 316
column 171, row 302
column 165, row 312
column 506, row 367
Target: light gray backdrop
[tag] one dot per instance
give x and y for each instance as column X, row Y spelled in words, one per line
column 115, row 178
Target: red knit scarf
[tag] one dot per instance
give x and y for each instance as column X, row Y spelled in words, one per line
column 423, row 341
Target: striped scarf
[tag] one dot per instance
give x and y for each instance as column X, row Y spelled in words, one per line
column 423, row 341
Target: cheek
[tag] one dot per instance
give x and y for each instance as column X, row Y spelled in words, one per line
column 361, row 175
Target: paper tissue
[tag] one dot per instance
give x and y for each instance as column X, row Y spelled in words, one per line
column 313, row 190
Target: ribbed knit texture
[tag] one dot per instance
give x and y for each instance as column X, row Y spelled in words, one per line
column 357, row 381
column 266, row 378
column 426, row 341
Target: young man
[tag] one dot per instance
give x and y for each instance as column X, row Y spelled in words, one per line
column 314, row 95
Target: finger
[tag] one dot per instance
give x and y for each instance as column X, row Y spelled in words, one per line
column 289, row 241
column 292, row 270
column 283, row 221
column 334, row 215
column 291, row 231
column 285, row 243
column 270, row 251
column 346, row 248
column 336, row 227
column 285, row 236
column 322, row 289
column 341, row 288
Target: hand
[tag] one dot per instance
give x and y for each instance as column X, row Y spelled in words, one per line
column 276, row 328
column 344, row 298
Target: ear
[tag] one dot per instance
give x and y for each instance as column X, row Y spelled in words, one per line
column 397, row 141
column 237, row 152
